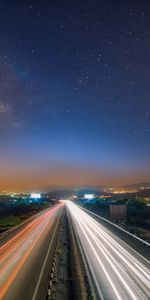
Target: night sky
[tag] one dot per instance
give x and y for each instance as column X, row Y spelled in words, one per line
column 74, row 93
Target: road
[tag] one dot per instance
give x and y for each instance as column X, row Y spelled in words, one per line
column 138, row 244
column 25, row 258
column 118, row 271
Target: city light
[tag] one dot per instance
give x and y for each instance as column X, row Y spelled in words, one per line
column 35, row 196
column 89, row 196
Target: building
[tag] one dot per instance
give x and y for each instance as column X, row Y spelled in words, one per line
column 117, row 212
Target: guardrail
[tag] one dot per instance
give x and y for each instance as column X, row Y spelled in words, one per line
column 3, row 234
column 52, row 281
column 118, row 227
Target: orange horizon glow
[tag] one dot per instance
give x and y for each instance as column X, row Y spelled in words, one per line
column 65, row 176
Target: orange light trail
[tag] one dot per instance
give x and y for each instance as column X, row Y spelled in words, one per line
column 15, row 252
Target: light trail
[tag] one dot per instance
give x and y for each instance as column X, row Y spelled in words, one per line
column 119, row 271
column 120, row 228
column 15, row 252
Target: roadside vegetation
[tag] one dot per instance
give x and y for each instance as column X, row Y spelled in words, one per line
column 14, row 211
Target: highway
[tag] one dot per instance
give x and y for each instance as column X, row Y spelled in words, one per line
column 118, row 271
column 25, row 257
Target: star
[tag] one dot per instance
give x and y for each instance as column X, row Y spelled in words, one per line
column 78, row 75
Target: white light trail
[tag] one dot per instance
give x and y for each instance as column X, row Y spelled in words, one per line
column 120, row 271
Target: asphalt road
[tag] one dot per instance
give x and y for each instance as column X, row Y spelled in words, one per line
column 118, row 271
column 25, row 259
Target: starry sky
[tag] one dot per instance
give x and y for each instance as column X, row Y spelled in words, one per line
column 74, row 93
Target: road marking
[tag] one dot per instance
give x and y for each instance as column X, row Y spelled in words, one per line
column 44, row 264
column 17, row 258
